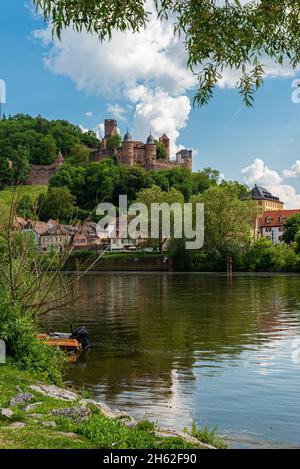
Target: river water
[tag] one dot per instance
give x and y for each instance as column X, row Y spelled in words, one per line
column 182, row 347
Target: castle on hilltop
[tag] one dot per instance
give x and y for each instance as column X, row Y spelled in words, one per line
column 134, row 152
column 40, row 174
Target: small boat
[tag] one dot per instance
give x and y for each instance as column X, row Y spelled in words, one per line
column 74, row 342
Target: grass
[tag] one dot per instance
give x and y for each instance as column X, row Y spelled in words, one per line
column 6, row 197
column 97, row 431
column 207, row 436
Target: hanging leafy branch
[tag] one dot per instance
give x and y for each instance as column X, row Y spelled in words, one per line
column 218, row 35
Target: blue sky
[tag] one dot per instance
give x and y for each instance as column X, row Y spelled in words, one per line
column 148, row 87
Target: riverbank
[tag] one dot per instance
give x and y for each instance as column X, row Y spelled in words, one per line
column 268, row 262
column 35, row 415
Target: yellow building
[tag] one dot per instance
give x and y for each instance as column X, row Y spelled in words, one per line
column 265, row 201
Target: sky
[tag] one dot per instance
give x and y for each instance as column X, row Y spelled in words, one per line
column 142, row 81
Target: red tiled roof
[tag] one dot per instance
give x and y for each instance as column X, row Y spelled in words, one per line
column 277, row 217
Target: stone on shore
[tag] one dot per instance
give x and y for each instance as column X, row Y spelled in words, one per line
column 31, row 407
column 184, row 436
column 105, row 409
column 79, row 414
column 54, row 391
column 49, row 424
column 18, row 425
column 7, row 413
column 21, row 398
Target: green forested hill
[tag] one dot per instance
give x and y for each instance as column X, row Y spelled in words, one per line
column 29, row 140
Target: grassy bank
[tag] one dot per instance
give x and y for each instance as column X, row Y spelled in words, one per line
column 52, row 423
column 6, row 196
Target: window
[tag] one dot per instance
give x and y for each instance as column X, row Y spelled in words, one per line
column 268, row 229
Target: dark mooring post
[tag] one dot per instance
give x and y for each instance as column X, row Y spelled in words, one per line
column 229, row 267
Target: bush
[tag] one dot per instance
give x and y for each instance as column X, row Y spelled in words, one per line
column 46, row 361
column 181, row 257
column 25, row 293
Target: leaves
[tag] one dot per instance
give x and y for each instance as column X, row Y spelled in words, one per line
column 217, row 36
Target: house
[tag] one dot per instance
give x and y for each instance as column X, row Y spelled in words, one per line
column 116, row 234
column 18, row 224
column 58, row 238
column 264, row 201
column 38, row 228
column 272, row 223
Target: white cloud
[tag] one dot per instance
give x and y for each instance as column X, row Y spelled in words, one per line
column 259, row 173
column 155, row 58
column 287, row 194
column 148, row 67
column 293, row 172
column 159, row 112
column 99, row 130
column 88, row 114
column 116, row 111
column 83, row 129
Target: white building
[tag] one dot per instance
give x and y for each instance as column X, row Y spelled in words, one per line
column 272, row 224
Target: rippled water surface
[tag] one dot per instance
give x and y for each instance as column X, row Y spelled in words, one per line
column 183, row 347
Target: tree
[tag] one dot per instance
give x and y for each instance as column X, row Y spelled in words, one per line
column 291, row 228
column 20, row 160
column 202, row 180
column 114, row 142
column 58, row 203
column 217, row 35
column 243, row 191
column 79, row 154
column 154, row 195
column 181, row 257
column 26, row 207
column 130, row 181
column 90, row 139
column 6, row 173
column 48, row 150
column 161, row 150
column 228, row 220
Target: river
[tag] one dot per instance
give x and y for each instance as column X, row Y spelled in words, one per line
column 182, row 347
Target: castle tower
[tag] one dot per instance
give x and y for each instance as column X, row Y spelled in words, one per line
column 127, row 156
column 60, row 159
column 110, row 128
column 166, row 141
column 185, row 158
column 150, row 152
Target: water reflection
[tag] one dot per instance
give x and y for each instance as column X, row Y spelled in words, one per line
column 187, row 346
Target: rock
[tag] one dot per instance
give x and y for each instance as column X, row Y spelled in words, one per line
column 21, row 398
column 69, row 434
column 106, row 411
column 18, row 425
column 35, row 416
column 79, row 414
column 129, row 422
column 184, row 436
column 30, row 407
column 54, row 391
column 49, row 424
column 8, row 413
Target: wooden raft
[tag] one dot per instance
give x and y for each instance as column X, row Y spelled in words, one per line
column 65, row 344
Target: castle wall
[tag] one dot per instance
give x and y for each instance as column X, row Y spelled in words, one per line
column 39, row 175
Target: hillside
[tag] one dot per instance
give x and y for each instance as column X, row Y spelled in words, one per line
column 6, row 196
column 26, row 140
